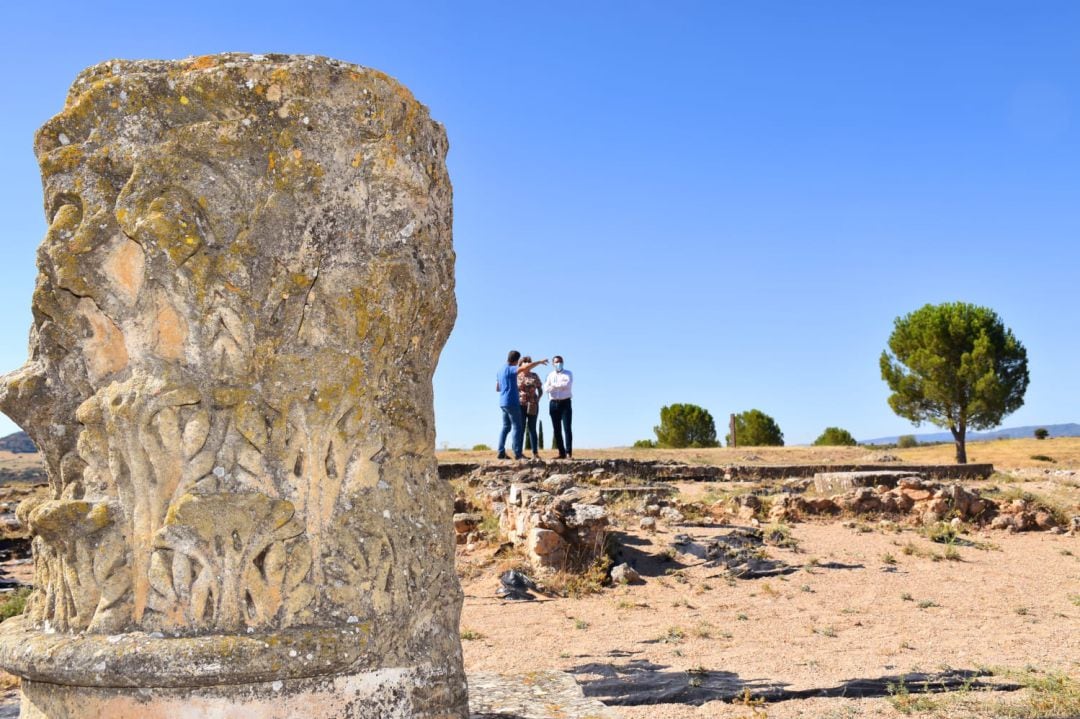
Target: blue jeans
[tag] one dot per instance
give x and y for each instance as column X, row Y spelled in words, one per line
column 512, row 420
column 562, row 414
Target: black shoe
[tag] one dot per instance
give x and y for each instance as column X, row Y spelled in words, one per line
column 562, row 456
column 501, row 455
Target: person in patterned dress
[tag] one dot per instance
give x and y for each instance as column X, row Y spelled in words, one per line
column 529, row 390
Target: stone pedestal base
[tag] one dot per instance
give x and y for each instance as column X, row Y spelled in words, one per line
column 312, row 673
column 536, row 695
column 383, row 694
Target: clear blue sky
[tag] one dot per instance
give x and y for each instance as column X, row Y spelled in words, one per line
column 718, row 203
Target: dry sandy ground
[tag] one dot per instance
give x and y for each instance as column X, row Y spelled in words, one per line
column 861, row 605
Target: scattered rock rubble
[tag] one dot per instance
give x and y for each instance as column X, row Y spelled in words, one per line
column 922, row 502
column 561, row 521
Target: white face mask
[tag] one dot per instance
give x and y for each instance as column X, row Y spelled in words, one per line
column 558, row 366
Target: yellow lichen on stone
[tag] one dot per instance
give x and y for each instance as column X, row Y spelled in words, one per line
column 204, row 62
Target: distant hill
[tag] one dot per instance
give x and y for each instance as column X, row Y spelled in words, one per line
column 19, row 443
column 1071, row 429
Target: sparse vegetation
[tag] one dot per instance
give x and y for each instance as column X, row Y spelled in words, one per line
column 941, row 532
column 905, row 702
column 481, row 448
column 704, row 630
column 835, row 437
column 1042, row 433
column 779, row 535
column 1042, row 458
column 13, row 603
column 907, row 441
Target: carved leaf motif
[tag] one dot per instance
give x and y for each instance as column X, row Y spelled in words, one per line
column 299, row 600
column 161, row 577
column 299, row 564
column 201, row 592
column 181, row 576
column 195, row 433
column 274, row 564
column 249, row 421
column 234, row 559
column 79, row 553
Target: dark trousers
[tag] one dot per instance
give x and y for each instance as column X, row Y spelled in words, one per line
column 562, row 414
column 530, row 428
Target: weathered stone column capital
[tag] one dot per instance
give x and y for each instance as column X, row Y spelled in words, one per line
column 243, row 292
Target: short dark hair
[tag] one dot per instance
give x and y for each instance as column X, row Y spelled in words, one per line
column 526, row 359
column 557, row 358
column 513, row 357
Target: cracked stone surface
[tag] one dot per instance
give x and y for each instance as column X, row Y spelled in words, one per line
column 246, row 282
column 533, row 695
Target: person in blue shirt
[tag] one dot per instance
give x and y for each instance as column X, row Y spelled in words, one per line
column 506, row 386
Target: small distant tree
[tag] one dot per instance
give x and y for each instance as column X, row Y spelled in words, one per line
column 685, row 425
column 481, row 448
column 835, row 437
column 1042, row 433
column 644, row 444
column 907, row 441
column 957, row 366
column 754, row 428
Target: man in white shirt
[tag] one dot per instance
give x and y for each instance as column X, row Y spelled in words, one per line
column 559, row 388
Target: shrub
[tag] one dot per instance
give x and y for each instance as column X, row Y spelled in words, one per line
column 835, row 437
column 1042, row 458
column 907, row 441
column 685, row 425
column 754, row 428
column 1042, row 433
column 481, row 448
column 644, row 444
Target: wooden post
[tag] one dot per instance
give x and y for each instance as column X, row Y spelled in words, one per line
column 731, row 427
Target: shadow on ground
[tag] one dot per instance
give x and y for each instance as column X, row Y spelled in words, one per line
column 644, row 556
column 641, row 682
